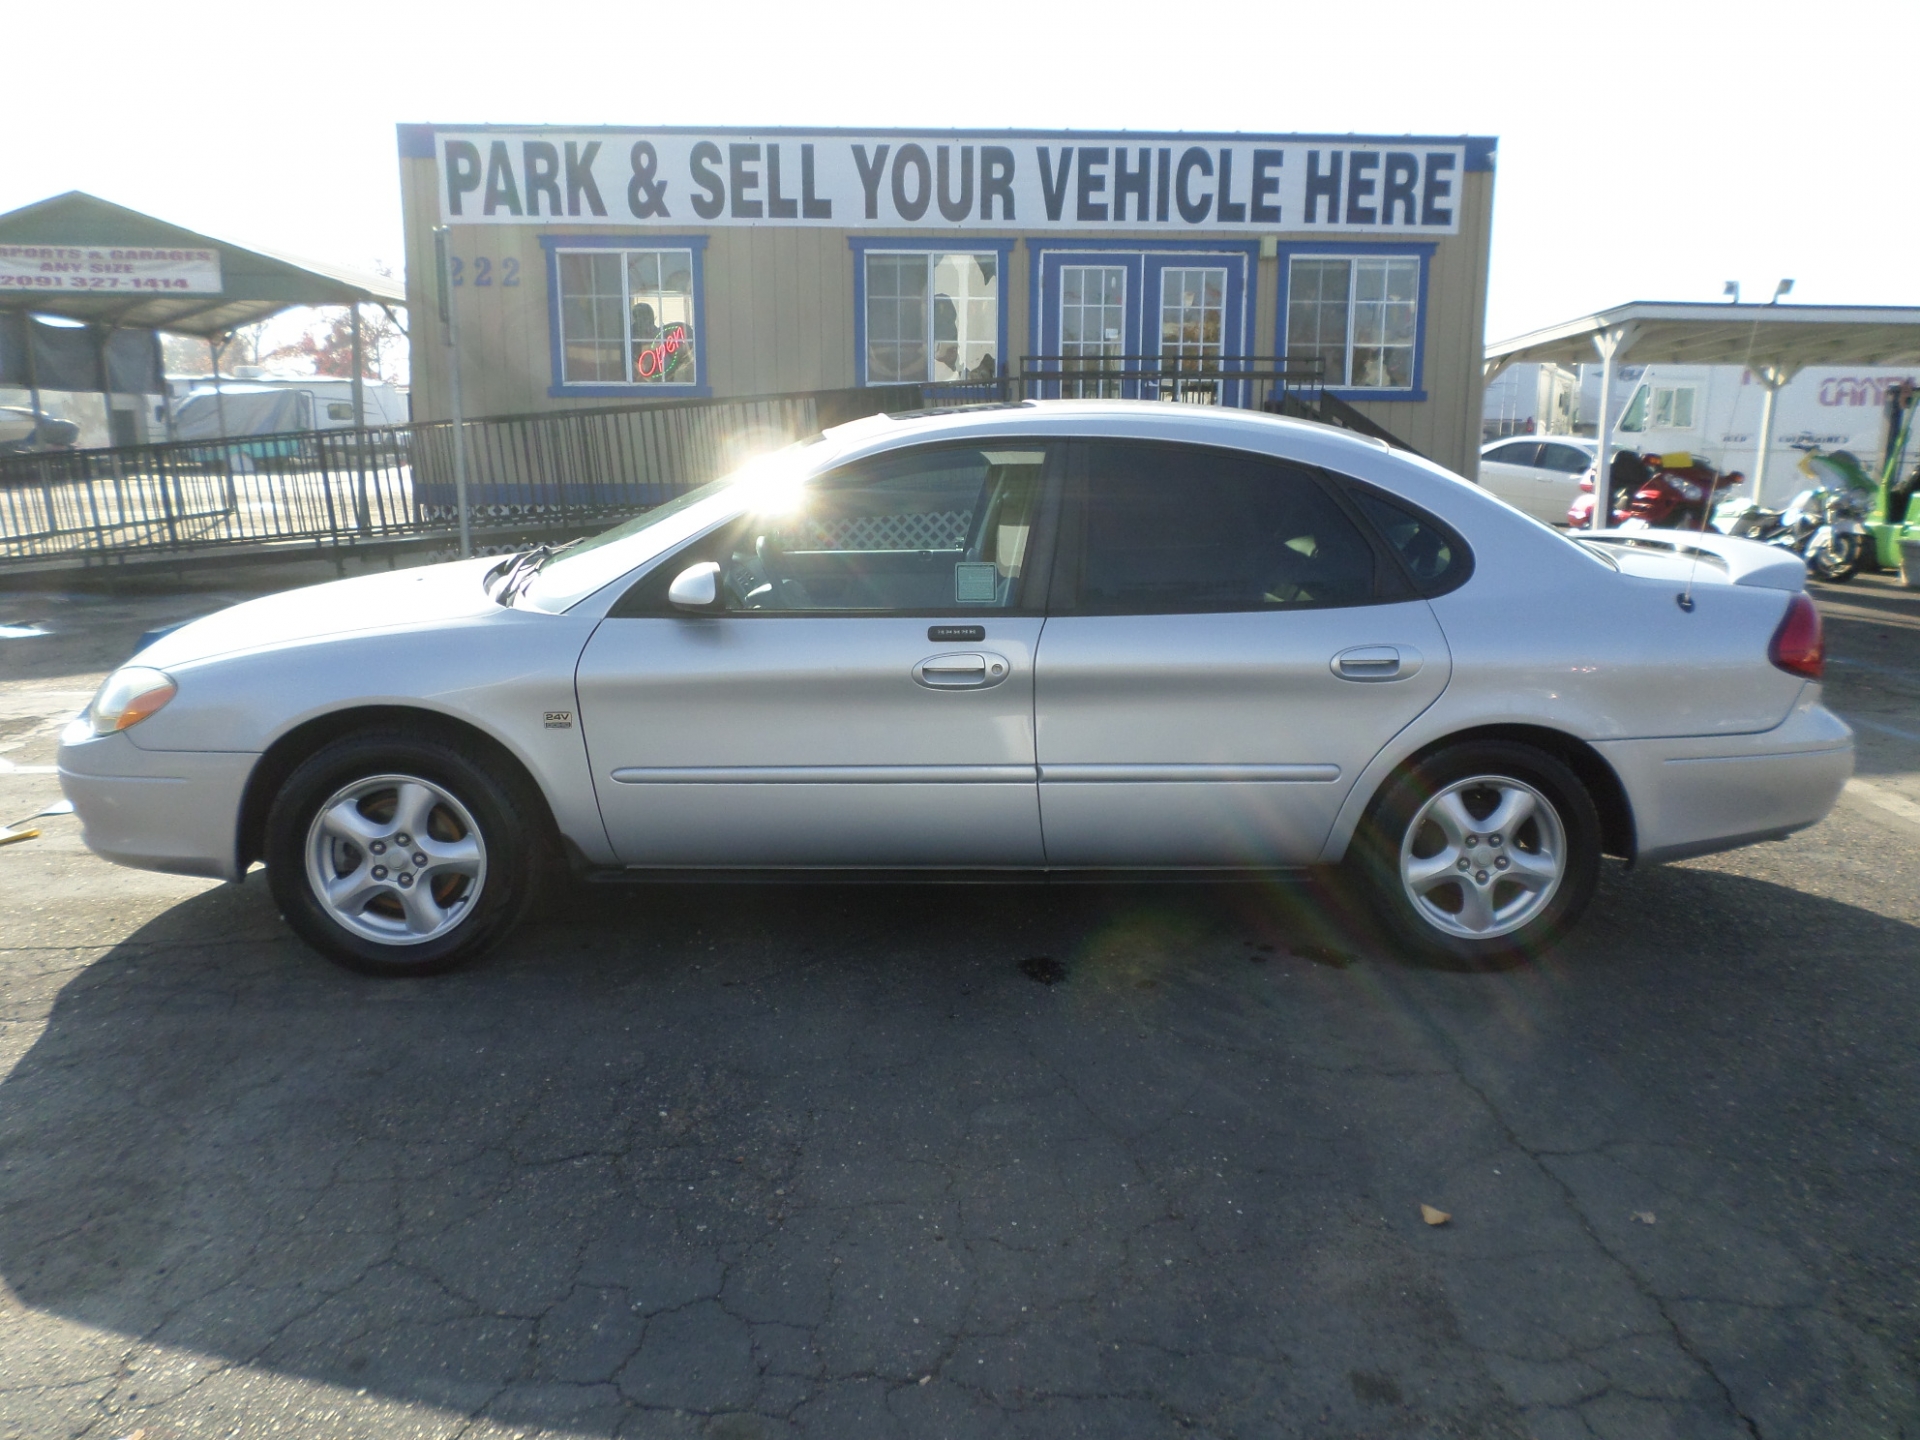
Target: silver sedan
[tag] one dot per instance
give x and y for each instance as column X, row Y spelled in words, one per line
column 1132, row 639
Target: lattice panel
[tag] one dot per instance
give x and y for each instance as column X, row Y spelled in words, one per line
column 931, row 530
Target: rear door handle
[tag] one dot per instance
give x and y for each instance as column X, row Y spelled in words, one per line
column 1377, row 662
column 970, row 670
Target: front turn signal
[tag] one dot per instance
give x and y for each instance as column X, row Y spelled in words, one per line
column 129, row 695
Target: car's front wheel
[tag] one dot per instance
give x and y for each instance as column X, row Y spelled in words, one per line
column 1483, row 852
column 401, row 854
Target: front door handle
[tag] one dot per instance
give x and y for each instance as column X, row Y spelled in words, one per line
column 970, row 670
column 1377, row 662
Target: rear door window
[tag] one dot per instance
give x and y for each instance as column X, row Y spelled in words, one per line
column 1171, row 529
column 1520, row 452
column 1568, row 459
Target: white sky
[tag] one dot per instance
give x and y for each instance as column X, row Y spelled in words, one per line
column 1647, row 150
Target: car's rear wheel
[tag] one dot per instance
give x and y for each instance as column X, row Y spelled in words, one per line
column 401, row 854
column 1482, row 853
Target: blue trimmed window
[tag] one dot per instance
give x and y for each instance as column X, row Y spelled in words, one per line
column 626, row 315
column 1361, row 311
column 930, row 311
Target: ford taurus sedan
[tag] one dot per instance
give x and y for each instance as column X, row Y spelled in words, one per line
column 1048, row 639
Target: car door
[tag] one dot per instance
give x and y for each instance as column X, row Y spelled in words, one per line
column 1228, row 646
column 860, row 695
column 1507, row 471
column 1557, row 482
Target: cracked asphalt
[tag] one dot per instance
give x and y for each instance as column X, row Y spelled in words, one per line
column 754, row 1161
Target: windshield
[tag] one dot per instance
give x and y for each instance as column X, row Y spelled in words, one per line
column 571, row 575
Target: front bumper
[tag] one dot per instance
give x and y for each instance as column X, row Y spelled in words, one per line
column 1699, row 795
column 171, row 810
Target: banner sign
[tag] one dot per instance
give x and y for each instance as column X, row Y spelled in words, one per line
column 106, row 268
column 935, row 181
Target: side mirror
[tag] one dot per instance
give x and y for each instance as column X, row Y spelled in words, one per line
column 696, row 588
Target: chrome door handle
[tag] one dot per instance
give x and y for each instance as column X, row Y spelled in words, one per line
column 968, row 671
column 1377, row 662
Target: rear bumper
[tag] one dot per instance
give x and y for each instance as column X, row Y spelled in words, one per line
column 171, row 810
column 1696, row 796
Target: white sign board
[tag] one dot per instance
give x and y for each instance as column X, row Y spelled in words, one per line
column 949, row 180
column 68, row 269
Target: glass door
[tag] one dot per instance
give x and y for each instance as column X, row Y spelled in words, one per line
column 1198, row 325
column 1093, row 328
column 1089, row 322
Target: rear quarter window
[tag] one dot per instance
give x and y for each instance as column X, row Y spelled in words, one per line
column 1435, row 556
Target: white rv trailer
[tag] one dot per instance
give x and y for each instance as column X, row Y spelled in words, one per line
column 1714, row 411
column 314, row 402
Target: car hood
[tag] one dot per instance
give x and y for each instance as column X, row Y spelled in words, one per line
column 394, row 600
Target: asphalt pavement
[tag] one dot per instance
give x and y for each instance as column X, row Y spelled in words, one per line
column 757, row 1161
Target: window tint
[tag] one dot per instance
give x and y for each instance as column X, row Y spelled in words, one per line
column 1519, row 453
column 925, row 531
column 1436, row 557
column 1181, row 528
column 1568, row 458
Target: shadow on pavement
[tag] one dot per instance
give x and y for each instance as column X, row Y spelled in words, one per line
column 777, row 1154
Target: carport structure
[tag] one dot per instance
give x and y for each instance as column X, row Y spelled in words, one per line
column 226, row 287
column 1775, row 342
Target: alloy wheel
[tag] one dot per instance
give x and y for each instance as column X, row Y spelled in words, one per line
column 395, row 859
column 1483, row 857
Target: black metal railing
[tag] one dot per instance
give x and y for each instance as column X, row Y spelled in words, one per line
column 527, row 475
column 1251, row 382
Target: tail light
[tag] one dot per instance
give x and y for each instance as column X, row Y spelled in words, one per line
column 1799, row 646
column 1586, row 482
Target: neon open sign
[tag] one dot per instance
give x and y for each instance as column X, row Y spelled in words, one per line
column 663, row 355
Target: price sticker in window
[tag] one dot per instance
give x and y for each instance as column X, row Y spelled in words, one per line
column 975, row 582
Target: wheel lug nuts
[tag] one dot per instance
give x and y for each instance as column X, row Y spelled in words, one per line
column 419, row 859
column 379, row 872
column 1500, row 863
column 1480, row 876
column 403, row 839
column 406, row 879
column 1493, row 839
column 378, row 847
column 1465, row 864
column 1472, row 840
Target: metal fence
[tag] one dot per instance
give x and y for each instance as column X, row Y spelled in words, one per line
column 526, row 475
column 1254, row 382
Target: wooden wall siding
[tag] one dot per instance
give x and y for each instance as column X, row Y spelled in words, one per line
column 779, row 317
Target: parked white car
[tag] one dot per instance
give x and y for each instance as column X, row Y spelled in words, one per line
column 1537, row 474
column 1047, row 637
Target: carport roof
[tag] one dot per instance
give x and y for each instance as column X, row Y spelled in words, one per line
column 1783, row 337
column 255, row 283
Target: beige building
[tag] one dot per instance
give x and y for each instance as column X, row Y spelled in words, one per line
column 594, row 266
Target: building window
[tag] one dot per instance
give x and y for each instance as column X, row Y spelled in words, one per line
column 1360, row 316
column 932, row 316
column 1093, row 327
column 627, row 317
column 1659, row 407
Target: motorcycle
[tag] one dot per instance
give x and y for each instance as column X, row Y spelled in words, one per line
column 1674, row 492
column 1824, row 527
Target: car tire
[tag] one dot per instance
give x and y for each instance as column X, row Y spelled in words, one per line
column 1521, row 885
column 358, row 884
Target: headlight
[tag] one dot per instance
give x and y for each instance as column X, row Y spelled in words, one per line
column 128, row 696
